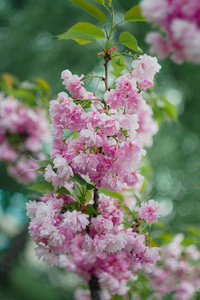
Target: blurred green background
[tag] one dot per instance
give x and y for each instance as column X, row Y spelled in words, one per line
column 29, row 48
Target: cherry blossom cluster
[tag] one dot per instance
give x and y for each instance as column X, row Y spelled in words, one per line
column 178, row 271
column 107, row 138
column 22, row 132
column 97, row 246
column 98, row 143
column 179, row 21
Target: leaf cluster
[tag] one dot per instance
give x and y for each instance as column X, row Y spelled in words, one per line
column 35, row 93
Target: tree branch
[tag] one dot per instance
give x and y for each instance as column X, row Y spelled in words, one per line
column 96, row 199
column 95, row 288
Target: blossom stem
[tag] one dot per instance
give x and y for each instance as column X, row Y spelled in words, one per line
column 95, row 288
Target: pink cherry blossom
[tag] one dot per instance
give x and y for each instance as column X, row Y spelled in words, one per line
column 150, row 211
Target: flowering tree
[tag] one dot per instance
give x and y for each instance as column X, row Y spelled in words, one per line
column 24, row 126
column 178, row 21
column 84, row 221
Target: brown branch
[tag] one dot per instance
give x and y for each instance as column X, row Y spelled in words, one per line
column 95, row 288
column 106, row 58
column 96, row 199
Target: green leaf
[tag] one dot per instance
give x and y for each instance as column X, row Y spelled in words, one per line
column 67, row 133
column 44, row 162
column 88, row 28
column 91, row 9
column 134, row 14
column 128, row 40
column 193, row 230
column 169, row 109
column 82, row 181
column 88, row 196
column 25, row 96
column 111, row 194
column 108, row 45
column 13, row 139
column 80, row 37
column 41, row 187
column 118, row 64
column 90, row 210
column 63, row 190
column 42, row 169
column 101, row 1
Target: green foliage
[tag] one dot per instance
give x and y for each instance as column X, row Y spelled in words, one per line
column 134, row 14
column 90, row 210
column 118, row 64
column 80, row 37
column 128, row 40
column 88, row 28
column 32, row 94
column 82, row 181
column 63, row 190
column 101, row 1
column 193, row 230
column 91, row 9
column 41, row 187
column 111, row 194
column 161, row 107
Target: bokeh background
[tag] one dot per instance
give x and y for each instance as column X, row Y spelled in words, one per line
column 29, row 48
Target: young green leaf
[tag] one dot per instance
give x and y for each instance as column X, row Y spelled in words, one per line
column 80, row 37
column 88, row 28
column 41, row 187
column 101, row 1
column 111, row 194
column 128, row 40
column 91, row 9
column 134, row 14
column 169, row 109
column 118, row 64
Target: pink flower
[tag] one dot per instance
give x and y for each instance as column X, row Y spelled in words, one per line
column 75, row 221
column 47, row 256
column 117, row 243
column 101, row 225
column 63, row 169
column 145, row 69
column 179, row 24
column 150, row 211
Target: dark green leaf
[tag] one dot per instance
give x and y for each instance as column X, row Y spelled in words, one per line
column 13, row 139
column 82, row 181
column 111, row 194
column 91, row 9
column 128, row 40
column 63, row 190
column 90, row 210
column 41, row 187
column 134, row 14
